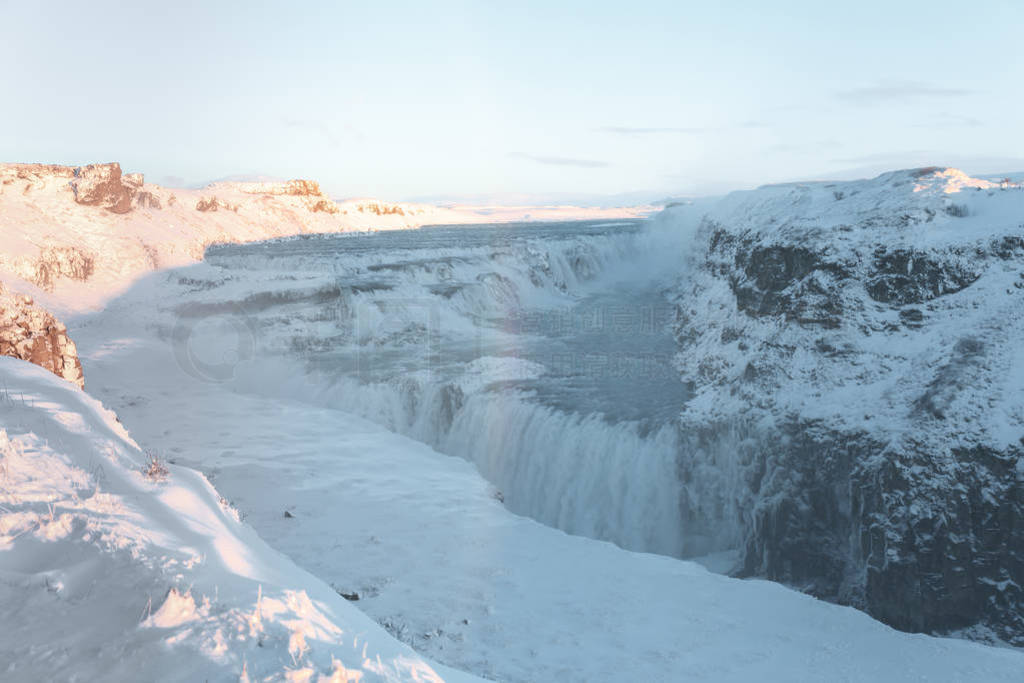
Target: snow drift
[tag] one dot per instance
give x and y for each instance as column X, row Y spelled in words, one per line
column 116, row 566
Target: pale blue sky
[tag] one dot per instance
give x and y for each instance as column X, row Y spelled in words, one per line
column 409, row 99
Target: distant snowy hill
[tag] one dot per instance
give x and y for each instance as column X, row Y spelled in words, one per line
column 86, row 232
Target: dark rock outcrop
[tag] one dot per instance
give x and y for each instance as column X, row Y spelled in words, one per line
column 907, row 276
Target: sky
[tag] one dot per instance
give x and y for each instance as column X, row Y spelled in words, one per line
column 490, row 100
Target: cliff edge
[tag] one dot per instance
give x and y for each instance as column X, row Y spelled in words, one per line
column 857, row 428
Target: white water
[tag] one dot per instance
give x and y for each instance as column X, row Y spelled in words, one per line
column 540, row 353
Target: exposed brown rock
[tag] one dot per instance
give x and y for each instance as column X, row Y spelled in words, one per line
column 296, row 188
column 207, row 204
column 147, row 200
column 213, row 204
column 315, row 200
column 103, row 185
column 33, row 171
column 382, row 209
column 325, row 205
column 31, row 177
column 57, row 262
column 302, row 188
column 31, row 333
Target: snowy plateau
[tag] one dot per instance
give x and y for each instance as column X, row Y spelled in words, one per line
column 770, row 436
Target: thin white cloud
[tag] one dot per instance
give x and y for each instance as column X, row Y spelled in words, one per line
column 898, row 91
column 889, row 157
column 629, row 130
column 803, row 148
column 946, row 120
column 560, row 161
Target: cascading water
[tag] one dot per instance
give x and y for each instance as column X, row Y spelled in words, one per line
column 542, row 353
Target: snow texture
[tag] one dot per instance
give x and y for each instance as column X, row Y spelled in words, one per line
column 109, row 570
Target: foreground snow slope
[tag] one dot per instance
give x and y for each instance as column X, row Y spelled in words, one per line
column 436, row 559
column 108, row 573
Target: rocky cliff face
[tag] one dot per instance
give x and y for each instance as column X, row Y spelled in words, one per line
column 30, row 333
column 104, row 185
column 858, row 422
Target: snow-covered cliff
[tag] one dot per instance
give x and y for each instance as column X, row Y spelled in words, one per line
column 858, row 419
